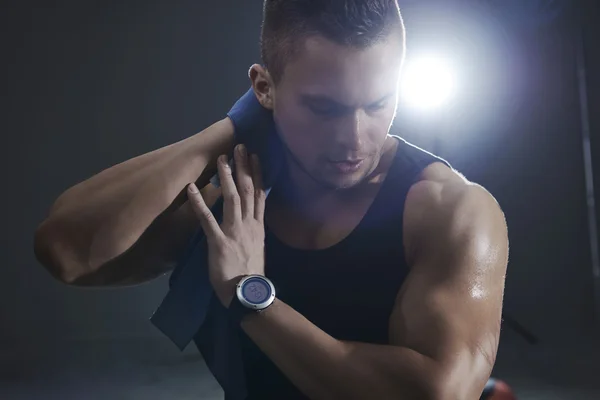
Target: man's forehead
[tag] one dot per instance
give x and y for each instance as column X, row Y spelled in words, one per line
column 329, row 70
column 319, row 50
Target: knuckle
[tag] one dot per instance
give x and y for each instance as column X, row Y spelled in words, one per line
column 260, row 195
column 234, row 198
column 226, row 170
column 247, row 190
column 258, row 227
column 228, row 227
column 207, row 215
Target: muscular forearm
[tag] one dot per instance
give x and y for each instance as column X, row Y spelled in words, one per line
column 99, row 219
column 325, row 368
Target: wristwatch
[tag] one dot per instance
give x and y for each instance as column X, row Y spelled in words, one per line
column 253, row 294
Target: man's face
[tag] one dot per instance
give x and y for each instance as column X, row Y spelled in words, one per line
column 334, row 107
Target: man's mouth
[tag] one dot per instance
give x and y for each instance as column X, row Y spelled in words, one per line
column 348, row 165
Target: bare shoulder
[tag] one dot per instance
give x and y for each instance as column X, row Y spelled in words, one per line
column 444, row 192
column 443, row 207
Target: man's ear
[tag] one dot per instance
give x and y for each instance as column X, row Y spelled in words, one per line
column 262, row 85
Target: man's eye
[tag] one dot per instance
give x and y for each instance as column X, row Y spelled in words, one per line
column 325, row 110
column 378, row 106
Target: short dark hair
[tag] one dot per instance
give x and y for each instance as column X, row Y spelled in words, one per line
column 356, row 23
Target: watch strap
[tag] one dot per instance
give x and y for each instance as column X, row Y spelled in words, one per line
column 237, row 311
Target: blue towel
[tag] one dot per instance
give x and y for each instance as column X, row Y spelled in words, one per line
column 191, row 311
column 184, row 309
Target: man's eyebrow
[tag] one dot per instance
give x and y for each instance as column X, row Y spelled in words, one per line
column 384, row 98
column 313, row 98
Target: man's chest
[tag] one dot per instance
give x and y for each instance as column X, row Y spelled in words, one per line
column 348, row 290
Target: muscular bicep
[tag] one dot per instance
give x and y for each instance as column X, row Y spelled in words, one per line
column 156, row 252
column 450, row 306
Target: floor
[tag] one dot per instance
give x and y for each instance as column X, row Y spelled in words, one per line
column 152, row 369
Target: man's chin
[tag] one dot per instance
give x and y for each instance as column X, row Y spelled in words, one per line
column 330, row 178
column 341, row 181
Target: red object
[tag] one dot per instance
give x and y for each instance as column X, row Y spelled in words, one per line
column 498, row 390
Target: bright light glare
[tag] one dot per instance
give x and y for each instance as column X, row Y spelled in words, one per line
column 427, row 83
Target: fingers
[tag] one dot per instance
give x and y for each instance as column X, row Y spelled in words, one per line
column 246, row 196
column 209, row 224
column 245, row 184
column 231, row 198
column 259, row 190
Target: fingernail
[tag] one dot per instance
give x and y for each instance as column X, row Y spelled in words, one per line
column 242, row 150
column 223, row 159
column 193, row 188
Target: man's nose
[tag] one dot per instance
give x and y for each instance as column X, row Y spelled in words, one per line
column 350, row 134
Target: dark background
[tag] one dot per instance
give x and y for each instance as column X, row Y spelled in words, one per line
column 91, row 84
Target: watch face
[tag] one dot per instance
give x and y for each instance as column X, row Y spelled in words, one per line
column 256, row 291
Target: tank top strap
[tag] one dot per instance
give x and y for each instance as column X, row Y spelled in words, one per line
column 409, row 162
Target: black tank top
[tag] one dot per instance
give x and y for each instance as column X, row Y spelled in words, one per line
column 348, row 290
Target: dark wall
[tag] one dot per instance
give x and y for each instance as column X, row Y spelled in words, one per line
column 591, row 53
column 90, row 86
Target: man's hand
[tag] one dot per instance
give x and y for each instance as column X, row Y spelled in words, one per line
column 236, row 247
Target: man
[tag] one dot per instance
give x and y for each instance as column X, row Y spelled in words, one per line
column 388, row 266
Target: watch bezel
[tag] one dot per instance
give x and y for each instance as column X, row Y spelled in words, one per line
column 254, row 306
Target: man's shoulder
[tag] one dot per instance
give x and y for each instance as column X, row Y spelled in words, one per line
column 443, row 189
column 444, row 204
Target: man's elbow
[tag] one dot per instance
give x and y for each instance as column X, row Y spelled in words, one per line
column 438, row 389
column 425, row 385
column 441, row 389
column 454, row 384
column 433, row 385
column 54, row 256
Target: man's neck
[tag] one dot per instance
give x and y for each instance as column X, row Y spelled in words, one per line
column 301, row 192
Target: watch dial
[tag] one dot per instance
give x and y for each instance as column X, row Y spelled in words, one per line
column 256, row 291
